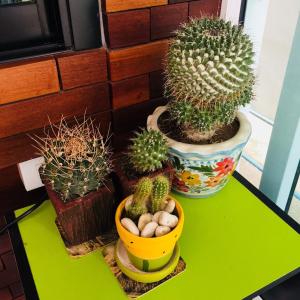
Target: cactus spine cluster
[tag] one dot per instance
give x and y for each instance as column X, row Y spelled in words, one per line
column 140, row 198
column 77, row 158
column 160, row 192
column 150, row 195
column 208, row 75
column 148, row 151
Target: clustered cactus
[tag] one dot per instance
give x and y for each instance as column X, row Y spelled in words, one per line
column 77, row 159
column 159, row 194
column 148, row 151
column 138, row 206
column 208, row 75
column 149, row 193
column 150, row 210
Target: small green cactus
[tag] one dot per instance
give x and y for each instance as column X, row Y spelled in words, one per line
column 77, row 158
column 160, row 192
column 148, row 151
column 208, row 75
column 140, row 198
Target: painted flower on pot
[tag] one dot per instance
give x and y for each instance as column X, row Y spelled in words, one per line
column 202, row 178
column 190, row 178
column 180, row 185
column 224, row 167
column 213, row 181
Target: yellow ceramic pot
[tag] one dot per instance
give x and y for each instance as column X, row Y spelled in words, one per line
column 149, row 248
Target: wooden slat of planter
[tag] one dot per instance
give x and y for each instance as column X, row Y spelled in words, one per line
column 130, row 91
column 118, row 5
column 166, row 19
column 132, row 117
column 83, row 68
column 128, row 28
column 137, row 60
column 204, row 8
column 18, row 148
column 26, row 80
column 31, row 114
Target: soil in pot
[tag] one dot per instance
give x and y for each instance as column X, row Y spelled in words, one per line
column 127, row 177
column 171, row 130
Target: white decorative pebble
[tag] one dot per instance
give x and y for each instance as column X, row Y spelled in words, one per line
column 149, row 230
column 130, row 226
column 166, row 219
column 144, row 220
column 162, row 230
column 156, row 216
column 170, row 206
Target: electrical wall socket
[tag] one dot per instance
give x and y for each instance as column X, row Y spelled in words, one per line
column 29, row 173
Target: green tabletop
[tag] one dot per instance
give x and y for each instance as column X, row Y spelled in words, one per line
column 233, row 245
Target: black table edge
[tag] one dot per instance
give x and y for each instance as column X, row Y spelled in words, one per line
column 22, row 260
column 262, row 197
column 28, row 281
column 273, row 284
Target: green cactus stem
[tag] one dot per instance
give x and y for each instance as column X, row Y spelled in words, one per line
column 148, row 151
column 77, row 158
column 140, row 199
column 160, row 192
column 209, row 75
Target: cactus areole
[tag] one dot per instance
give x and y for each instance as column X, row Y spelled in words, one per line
column 208, row 76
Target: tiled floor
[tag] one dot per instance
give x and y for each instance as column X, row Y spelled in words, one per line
column 10, row 284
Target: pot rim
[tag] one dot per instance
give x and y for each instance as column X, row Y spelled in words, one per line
column 237, row 141
column 121, row 207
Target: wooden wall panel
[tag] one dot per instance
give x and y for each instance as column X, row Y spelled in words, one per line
column 18, row 148
column 137, row 60
column 118, row 5
column 82, row 69
column 28, row 115
column 132, row 117
column 156, row 84
column 204, row 8
column 128, row 28
column 130, row 91
column 12, row 192
column 9, row 178
column 166, row 19
column 178, row 1
column 26, row 80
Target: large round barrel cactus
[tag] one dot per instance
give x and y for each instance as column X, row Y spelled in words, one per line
column 77, row 159
column 208, row 75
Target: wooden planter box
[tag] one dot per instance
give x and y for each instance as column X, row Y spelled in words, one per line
column 84, row 218
column 126, row 184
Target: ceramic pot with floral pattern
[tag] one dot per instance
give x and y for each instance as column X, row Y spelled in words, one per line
column 203, row 170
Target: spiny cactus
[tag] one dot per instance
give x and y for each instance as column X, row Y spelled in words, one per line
column 160, row 192
column 140, row 199
column 208, row 75
column 77, row 159
column 148, row 151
